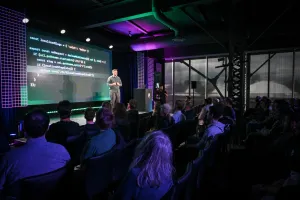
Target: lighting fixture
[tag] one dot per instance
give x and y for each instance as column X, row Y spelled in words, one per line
column 87, row 39
column 111, row 46
column 178, row 39
column 63, row 31
column 25, row 20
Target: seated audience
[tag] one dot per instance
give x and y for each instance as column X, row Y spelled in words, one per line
column 90, row 129
column 189, row 112
column 165, row 120
column 65, row 130
column 120, row 114
column 155, row 115
column 106, row 104
column 134, row 118
column 151, row 172
column 36, row 157
column 293, row 179
column 187, row 100
column 122, row 124
column 178, row 115
column 230, row 112
column 203, row 114
column 4, row 145
column 214, row 128
column 105, row 139
column 132, row 112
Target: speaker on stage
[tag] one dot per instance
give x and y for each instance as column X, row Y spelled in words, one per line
column 194, row 84
column 144, row 99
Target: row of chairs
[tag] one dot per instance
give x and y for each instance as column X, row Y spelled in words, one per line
column 190, row 185
column 99, row 175
column 179, row 133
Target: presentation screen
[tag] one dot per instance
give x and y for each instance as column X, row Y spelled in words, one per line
column 59, row 69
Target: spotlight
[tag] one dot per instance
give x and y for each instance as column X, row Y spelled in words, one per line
column 111, row 46
column 63, row 31
column 25, row 20
column 87, row 39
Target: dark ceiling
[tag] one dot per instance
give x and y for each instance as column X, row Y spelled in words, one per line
column 132, row 24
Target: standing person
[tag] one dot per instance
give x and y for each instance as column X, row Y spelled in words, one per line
column 114, row 82
column 162, row 94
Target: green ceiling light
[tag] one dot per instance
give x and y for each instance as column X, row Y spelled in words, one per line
column 75, row 109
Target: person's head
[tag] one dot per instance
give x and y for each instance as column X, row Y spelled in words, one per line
column 228, row 102
column 208, row 101
column 216, row 112
column 216, row 101
column 165, row 109
column 115, row 72
column 188, row 106
column 64, row 109
column 104, row 118
column 187, row 99
column 132, row 104
column 106, row 104
column 120, row 111
column 36, row 123
column 179, row 105
column 89, row 114
column 154, row 158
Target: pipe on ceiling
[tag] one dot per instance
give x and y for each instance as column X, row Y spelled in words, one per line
column 159, row 16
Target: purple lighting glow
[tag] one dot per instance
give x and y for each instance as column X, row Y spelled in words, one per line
column 124, row 28
column 146, row 46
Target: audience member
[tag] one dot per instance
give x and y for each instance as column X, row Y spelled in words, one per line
column 132, row 112
column 105, row 139
column 120, row 114
column 214, row 128
column 90, row 128
column 165, row 120
column 228, row 110
column 187, row 100
column 65, row 130
column 36, row 157
column 151, row 173
column 4, row 145
column 178, row 115
column 106, row 104
column 189, row 112
column 202, row 116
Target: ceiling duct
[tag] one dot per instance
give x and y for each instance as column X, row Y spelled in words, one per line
column 104, row 3
column 159, row 16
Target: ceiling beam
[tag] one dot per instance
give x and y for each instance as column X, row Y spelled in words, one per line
column 132, row 17
column 141, row 29
column 133, row 10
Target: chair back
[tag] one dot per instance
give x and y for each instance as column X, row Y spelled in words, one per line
column 198, row 171
column 173, row 132
column 98, row 173
column 181, row 187
column 124, row 160
column 45, row 186
column 75, row 148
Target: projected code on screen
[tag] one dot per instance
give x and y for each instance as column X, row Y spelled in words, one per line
column 59, row 69
column 63, row 59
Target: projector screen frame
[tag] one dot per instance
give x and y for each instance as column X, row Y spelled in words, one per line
column 77, row 104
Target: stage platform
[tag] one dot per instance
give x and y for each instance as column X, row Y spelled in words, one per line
column 79, row 118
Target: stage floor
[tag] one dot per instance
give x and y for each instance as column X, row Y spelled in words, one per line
column 79, row 118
